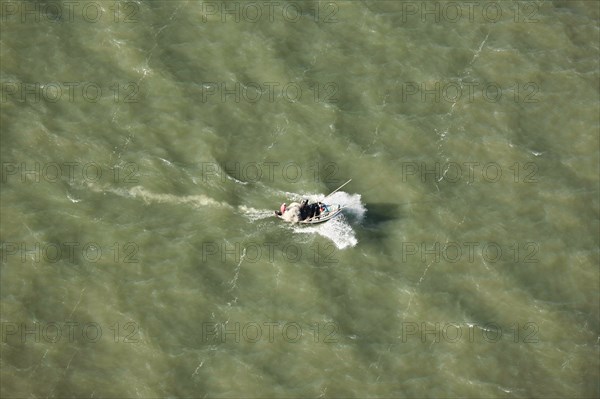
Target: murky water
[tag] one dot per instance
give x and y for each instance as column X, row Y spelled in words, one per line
column 146, row 144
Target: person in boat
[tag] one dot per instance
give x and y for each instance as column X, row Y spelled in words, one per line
column 315, row 209
column 308, row 211
column 304, row 209
column 281, row 210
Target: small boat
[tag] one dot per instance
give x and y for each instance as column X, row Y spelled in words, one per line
column 329, row 212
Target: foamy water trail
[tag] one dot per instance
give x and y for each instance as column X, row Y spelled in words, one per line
column 255, row 214
column 338, row 230
column 195, row 201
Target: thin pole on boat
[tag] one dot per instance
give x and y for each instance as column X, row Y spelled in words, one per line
column 337, row 189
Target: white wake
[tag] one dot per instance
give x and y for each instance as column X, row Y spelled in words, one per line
column 339, row 230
